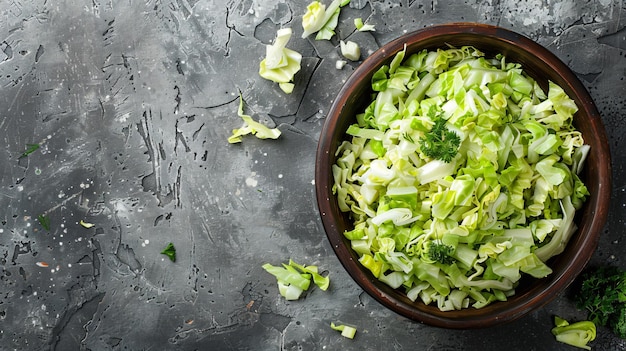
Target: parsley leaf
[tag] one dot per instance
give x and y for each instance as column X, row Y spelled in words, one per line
column 170, row 251
column 440, row 143
column 603, row 294
column 30, row 148
column 44, row 221
column 440, row 252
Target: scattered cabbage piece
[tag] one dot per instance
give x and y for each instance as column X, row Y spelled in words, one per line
column 251, row 127
column 321, row 20
column 350, row 50
column 281, row 64
column 294, row 279
column 86, row 224
column 361, row 27
column 459, row 227
column 346, row 330
column 577, row 334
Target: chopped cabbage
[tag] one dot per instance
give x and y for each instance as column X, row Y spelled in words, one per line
column 322, row 20
column 459, row 228
column 293, row 279
column 280, row 64
column 577, row 334
column 347, row 331
column 350, row 50
column 251, row 126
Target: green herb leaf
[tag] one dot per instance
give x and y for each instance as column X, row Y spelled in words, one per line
column 441, row 253
column 170, row 251
column 30, row 148
column 603, row 294
column 44, row 221
column 440, row 143
column 86, row 224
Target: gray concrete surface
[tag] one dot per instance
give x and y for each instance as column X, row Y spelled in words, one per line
column 132, row 102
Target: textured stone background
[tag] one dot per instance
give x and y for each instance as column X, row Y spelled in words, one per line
column 132, row 102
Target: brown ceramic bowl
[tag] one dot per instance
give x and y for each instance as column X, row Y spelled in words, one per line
column 542, row 65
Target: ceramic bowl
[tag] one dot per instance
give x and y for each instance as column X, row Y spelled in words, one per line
column 540, row 64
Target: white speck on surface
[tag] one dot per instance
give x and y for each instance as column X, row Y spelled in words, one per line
column 280, row 176
column 250, row 181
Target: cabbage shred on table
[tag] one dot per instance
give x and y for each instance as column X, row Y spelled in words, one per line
column 460, row 226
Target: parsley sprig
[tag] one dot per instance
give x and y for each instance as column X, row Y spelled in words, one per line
column 44, row 220
column 440, row 143
column 170, row 251
column 603, row 294
column 440, row 252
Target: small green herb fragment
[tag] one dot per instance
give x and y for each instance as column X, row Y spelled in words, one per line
column 440, row 252
column 30, row 148
column 170, row 251
column 44, row 221
column 603, row 294
column 440, row 143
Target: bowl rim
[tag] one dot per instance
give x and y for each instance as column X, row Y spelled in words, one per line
column 525, row 302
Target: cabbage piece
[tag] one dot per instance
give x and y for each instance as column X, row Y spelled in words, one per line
column 281, row 64
column 250, row 126
column 346, row 330
column 361, row 27
column 577, row 334
column 350, row 50
column 293, row 279
column 291, row 283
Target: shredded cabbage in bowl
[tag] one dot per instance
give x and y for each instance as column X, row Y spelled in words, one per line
column 460, row 177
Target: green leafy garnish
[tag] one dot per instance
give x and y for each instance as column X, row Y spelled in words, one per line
column 439, row 252
column 30, row 148
column 440, row 143
column 44, row 220
column 603, row 294
column 170, row 251
column 577, row 334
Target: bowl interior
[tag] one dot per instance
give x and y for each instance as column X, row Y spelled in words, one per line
column 542, row 65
